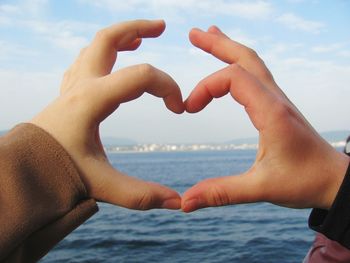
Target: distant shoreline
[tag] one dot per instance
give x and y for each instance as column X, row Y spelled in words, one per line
column 155, row 148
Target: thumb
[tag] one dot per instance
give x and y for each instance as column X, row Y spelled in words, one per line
column 221, row 191
column 104, row 183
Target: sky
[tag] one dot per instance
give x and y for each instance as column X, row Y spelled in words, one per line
column 306, row 45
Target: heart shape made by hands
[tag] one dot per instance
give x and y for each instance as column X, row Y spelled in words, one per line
column 90, row 93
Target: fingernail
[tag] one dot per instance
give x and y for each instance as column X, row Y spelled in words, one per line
column 197, row 29
column 173, row 203
column 180, row 108
column 191, row 205
column 159, row 21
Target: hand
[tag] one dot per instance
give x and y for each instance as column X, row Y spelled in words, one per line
column 89, row 93
column 294, row 166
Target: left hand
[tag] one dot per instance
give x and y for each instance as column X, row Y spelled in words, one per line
column 90, row 93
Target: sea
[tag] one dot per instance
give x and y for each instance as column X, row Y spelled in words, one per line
column 245, row 233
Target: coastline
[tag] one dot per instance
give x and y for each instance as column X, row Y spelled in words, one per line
column 149, row 148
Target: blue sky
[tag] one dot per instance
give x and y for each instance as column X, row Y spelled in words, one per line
column 306, row 44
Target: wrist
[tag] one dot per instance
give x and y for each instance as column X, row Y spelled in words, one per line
column 334, row 223
column 337, row 171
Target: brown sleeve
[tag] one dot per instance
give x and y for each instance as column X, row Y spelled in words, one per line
column 42, row 198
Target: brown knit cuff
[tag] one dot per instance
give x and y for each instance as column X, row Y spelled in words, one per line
column 42, row 196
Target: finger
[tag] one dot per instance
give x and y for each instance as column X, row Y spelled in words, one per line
column 131, row 46
column 101, row 54
column 221, row 191
column 130, row 83
column 215, row 30
column 242, row 86
column 219, row 45
column 250, row 61
column 114, row 187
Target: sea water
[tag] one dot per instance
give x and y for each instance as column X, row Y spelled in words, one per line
column 240, row 233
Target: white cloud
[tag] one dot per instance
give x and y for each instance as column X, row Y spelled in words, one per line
column 67, row 35
column 241, row 37
column 340, row 49
column 4, row 21
column 7, row 12
column 335, row 49
column 344, row 53
column 24, row 7
column 295, row 22
column 327, row 48
column 246, row 9
column 34, row 7
column 8, row 9
column 9, row 50
column 318, row 88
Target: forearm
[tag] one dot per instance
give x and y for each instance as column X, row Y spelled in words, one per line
column 42, row 197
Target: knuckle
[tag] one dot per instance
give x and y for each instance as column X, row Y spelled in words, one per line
column 266, row 74
column 235, row 67
column 217, row 195
column 146, row 69
column 263, row 71
column 251, row 53
column 82, row 51
column 144, row 202
column 65, row 81
column 67, row 74
column 146, row 72
column 102, row 35
column 281, row 110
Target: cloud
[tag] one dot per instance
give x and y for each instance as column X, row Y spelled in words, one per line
column 340, row 49
column 318, row 87
column 8, row 9
column 327, row 48
column 295, row 22
column 7, row 12
column 67, row 35
column 344, row 53
column 24, row 8
column 10, row 51
column 241, row 37
column 251, row 10
column 31, row 15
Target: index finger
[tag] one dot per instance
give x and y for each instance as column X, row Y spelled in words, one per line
column 222, row 47
column 101, row 54
column 243, row 87
column 130, row 83
column 121, row 34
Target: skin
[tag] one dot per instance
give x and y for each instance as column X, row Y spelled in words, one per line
column 294, row 166
column 89, row 93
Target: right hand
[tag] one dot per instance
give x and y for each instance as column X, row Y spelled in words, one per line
column 294, row 166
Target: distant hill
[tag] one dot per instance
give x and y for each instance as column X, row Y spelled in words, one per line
column 106, row 141
column 114, row 141
column 335, row 136
column 330, row 136
column 250, row 140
